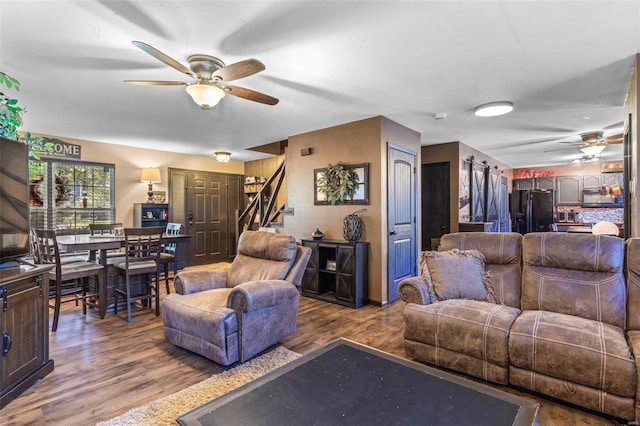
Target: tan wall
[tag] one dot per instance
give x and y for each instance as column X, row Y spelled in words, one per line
column 632, row 122
column 362, row 141
column 454, row 153
column 129, row 161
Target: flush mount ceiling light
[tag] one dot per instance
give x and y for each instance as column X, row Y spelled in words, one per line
column 206, row 96
column 494, row 109
column 223, row 157
column 593, row 149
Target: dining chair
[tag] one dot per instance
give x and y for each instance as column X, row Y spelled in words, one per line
column 168, row 253
column 142, row 253
column 107, row 229
column 89, row 276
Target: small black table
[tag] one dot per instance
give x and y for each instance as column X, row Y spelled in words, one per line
column 348, row 383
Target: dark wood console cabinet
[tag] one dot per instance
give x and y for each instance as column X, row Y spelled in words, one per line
column 24, row 325
column 337, row 272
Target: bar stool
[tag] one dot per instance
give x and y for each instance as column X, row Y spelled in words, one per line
column 88, row 275
column 168, row 253
column 142, row 254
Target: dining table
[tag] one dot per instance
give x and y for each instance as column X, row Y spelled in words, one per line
column 98, row 247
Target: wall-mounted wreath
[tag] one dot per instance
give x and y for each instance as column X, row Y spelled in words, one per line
column 338, row 182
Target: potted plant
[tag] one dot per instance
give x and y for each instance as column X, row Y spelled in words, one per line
column 11, row 118
column 339, row 182
column 10, row 111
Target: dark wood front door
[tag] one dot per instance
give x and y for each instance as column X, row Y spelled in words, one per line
column 436, row 211
column 205, row 204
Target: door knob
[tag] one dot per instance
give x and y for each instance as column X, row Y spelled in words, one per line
column 393, row 232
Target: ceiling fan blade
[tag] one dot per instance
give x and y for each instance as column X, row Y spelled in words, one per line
column 614, row 139
column 155, row 83
column 562, row 149
column 163, row 58
column 239, row 70
column 251, row 95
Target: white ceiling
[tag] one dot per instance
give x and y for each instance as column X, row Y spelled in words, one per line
column 565, row 64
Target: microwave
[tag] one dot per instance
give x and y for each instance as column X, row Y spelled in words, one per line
column 595, row 198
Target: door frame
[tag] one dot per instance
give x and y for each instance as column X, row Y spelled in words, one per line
column 416, row 225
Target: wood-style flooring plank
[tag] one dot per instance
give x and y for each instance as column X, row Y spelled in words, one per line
column 104, row 368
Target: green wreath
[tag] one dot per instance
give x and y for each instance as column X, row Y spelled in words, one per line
column 339, row 182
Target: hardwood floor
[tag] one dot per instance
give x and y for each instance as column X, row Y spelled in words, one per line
column 105, row 367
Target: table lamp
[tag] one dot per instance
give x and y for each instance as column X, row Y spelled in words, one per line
column 150, row 175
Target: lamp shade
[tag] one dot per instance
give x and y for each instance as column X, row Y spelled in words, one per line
column 150, row 175
column 223, row 157
column 593, row 149
column 205, row 95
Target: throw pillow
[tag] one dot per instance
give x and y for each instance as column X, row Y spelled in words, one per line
column 456, row 274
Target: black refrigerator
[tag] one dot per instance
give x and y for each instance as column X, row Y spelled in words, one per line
column 532, row 210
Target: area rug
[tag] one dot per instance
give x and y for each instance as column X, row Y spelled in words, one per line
column 164, row 411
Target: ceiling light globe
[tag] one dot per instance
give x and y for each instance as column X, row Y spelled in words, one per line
column 494, row 109
column 206, row 96
column 593, row 149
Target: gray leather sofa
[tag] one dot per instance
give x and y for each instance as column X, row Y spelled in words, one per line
column 566, row 323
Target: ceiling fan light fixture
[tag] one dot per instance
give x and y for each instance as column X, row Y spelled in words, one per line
column 594, row 150
column 494, row 109
column 206, row 96
column 223, row 157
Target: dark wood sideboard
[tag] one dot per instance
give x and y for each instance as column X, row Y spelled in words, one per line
column 24, row 325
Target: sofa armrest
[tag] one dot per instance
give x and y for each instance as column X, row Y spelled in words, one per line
column 414, row 290
column 187, row 282
column 256, row 295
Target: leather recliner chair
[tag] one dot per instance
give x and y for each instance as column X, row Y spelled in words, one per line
column 230, row 316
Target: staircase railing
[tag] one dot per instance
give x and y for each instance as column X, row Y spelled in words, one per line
column 263, row 205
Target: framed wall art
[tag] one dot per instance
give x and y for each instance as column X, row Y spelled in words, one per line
column 331, row 184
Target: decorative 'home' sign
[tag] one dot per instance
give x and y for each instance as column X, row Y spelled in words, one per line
column 55, row 148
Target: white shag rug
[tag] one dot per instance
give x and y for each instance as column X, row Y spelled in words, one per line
column 164, row 411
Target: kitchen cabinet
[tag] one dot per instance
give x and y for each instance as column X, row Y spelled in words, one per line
column 613, row 178
column 592, row 181
column 337, row 272
column 569, row 190
column 535, row 183
column 24, row 324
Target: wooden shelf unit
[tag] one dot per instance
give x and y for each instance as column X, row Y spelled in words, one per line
column 337, row 272
column 159, row 214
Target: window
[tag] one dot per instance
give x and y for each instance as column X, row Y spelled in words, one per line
column 68, row 196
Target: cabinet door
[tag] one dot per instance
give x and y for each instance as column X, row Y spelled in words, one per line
column 569, row 190
column 310, row 277
column 545, row 183
column 23, row 334
column 592, row 181
column 345, row 269
column 613, row 178
column 522, row 184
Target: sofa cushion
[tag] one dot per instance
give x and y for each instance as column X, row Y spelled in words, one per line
column 503, row 254
column 573, row 274
column 456, row 274
column 474, row 328
column 575, row 349
column 262, row 256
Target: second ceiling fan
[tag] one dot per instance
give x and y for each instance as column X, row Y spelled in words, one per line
column 592, row 143
column 208, row 74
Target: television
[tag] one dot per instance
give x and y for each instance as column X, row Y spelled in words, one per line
column 14, row 202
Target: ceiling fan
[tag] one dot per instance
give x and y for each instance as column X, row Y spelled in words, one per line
column 208, row 72
column 592, row 143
